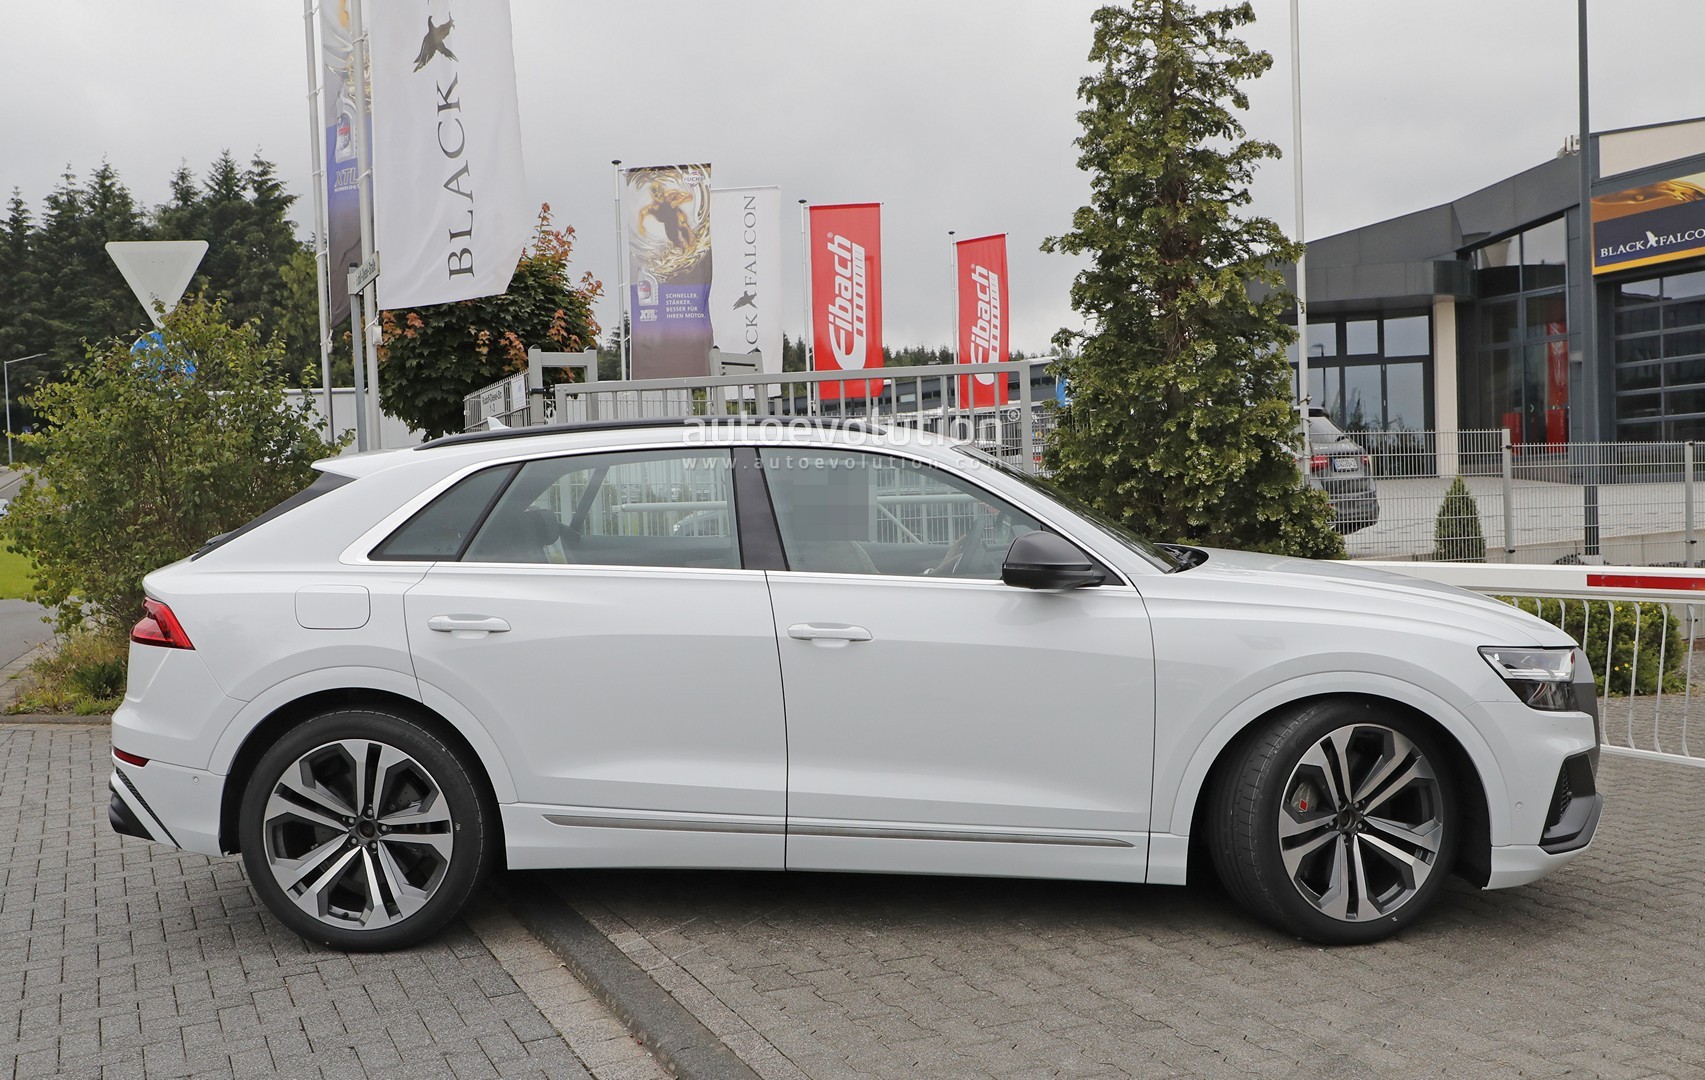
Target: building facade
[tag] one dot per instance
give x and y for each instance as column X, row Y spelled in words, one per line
column 1471, row 315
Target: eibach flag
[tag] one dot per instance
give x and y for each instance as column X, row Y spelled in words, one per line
column 846, row 295
column 983, row 334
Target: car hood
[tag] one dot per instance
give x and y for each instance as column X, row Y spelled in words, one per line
column 1344, row 583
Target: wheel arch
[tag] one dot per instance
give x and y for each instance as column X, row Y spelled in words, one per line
column 269, row 728
column 1455, row 735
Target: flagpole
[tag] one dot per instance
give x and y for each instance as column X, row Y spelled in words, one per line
column 805, row 292
column 322, row 253
column 1302, row 249
column 953, row 306
column 1589, row 291
column 366, row 340
column 622, row 331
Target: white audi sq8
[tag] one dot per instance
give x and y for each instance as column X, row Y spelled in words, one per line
column 866, row 650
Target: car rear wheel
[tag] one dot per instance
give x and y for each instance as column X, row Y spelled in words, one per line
column 362, row 830
column 1336, row 823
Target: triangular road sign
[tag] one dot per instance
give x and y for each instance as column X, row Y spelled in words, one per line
column 157, row 269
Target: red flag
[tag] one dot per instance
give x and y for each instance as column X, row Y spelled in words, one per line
column 846, row 294
column 983, row 335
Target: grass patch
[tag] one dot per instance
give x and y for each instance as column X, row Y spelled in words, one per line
column 83, row 676
column 16, row 575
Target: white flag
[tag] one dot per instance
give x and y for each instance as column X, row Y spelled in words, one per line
column 449, row 196
column 745, row 284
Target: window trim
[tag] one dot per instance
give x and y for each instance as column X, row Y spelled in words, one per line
column 1115, row 577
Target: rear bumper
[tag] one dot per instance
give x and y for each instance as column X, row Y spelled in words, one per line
column 168, row 804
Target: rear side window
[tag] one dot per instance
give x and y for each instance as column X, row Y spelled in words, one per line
column 323, row 482
column 441, row 529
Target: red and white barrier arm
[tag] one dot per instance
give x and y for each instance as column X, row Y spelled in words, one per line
column 1663, row 584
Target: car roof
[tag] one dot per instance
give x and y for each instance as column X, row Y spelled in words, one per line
column 616, row 434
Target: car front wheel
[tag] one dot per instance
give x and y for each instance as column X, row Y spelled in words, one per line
column 1336, row 823
column 362, row 830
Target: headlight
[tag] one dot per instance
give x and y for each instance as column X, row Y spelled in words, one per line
column 1542, row 678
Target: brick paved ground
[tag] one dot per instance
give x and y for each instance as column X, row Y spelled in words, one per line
column 123, row 958
column 1597, row 971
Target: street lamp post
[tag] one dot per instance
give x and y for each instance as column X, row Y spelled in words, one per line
column 6, row 377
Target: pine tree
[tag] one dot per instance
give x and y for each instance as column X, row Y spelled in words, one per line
column 1180, row 423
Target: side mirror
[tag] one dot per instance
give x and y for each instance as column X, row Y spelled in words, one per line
column 1042, row 560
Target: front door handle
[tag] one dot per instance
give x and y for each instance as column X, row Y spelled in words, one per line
column 833, row 636
column 467, row 625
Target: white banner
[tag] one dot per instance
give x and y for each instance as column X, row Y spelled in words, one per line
column 745, row 289
column 449, row 195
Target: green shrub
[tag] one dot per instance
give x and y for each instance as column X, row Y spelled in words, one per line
column 1456, row 531
column 1589, row 623
column 83, row 674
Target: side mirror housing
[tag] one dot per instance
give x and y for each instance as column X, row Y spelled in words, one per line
column 1043, row 560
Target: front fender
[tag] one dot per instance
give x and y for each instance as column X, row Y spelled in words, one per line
column 1177, row 790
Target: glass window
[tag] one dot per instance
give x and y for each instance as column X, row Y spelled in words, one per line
column 1681, row 342
column 1685, row 313
column 1636, row 350
column 1683, row 372
column 1639, row 377
column 439, row 530
column 658, row 508
column 1546, row 245
column 1322, row 339
column 1498, row 323
column 1691, row 400
column 1685, row 286
column 850, row 512
column 1363, row 405
column 1637, row 292
column 1361, row 337
column 1637, row 320
column 1634, row 406
column 1547, row 315
column 1410, row 336
column 1505, row 252
column 1405, row 397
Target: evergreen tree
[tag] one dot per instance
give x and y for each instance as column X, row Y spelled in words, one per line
column 1180, row 423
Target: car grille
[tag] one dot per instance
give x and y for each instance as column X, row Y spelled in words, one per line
column 1560, row 800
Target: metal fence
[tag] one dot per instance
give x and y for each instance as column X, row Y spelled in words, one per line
column 1639, row 630
column 934, row 398
column 1614, row 503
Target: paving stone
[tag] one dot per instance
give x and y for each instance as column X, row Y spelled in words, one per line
column 1598, row 970
column 121, row 958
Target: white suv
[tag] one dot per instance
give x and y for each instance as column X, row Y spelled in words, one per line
column 869, row 651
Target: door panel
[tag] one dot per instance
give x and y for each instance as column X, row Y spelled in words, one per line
column 938, row 720
column 648, row 690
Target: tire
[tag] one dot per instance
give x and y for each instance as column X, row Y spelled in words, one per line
column 321, row 838
column 1288, row 841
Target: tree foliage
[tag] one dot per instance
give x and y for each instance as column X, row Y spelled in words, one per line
column 433, row 357
column 61, row 291
column 1180, row 423
column 146, row 455
column 1457, row 536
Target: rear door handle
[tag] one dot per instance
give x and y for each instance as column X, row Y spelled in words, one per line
column 830, row 635
column 467, row 625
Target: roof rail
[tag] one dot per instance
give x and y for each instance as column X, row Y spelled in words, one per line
column 502, row 434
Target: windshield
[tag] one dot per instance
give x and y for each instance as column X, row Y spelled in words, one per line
column 1155, row 556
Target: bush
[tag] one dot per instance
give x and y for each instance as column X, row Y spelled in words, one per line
column 1589, row 623
column 84, row 674
column 1456, row 531
column 145, row 455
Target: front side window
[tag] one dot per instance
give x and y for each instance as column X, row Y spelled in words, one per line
column 652, row 508
column 850, row 512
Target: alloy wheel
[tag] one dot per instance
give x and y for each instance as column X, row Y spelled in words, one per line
column 1361, row 823
column 358, row 834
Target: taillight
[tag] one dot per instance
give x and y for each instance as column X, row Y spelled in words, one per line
column 1318, row 463
column 160, row 627
column 1367, row 463
column 129, row 759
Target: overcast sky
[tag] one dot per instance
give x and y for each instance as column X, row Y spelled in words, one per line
column 954, row 114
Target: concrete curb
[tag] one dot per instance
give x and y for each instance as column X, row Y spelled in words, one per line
column 674, row 1036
